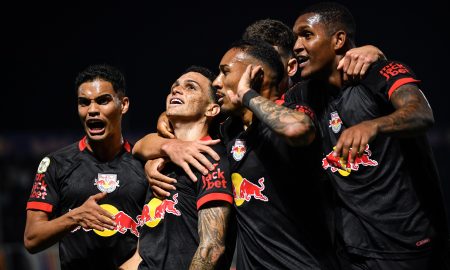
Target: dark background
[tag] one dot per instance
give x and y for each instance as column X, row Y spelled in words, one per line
column 44, row 46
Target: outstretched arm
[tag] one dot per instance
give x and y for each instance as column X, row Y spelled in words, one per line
column 40, row 232
column 182, row 153
column 212, row 230
column 295, row 126
column 413, row 116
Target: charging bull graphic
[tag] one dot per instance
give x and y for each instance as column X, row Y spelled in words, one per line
column 244, row 190
column 155, row 210
column 337, row 164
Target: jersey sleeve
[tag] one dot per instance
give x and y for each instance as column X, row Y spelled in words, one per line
column 216, row 185
column 44, row 195
column 384, row 77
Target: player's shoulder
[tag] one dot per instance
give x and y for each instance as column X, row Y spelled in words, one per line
column 66, row 153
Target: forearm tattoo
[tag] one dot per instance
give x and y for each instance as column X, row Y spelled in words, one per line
column 413, row 114
column 212, row 224
column 280, row 119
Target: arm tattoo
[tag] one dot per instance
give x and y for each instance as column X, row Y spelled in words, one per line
column 212, row 225
column 286, row 122
column 413, row 114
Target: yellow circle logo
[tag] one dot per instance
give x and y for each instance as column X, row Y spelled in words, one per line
column 153, row 217
column 113, row 210
column 237, row 181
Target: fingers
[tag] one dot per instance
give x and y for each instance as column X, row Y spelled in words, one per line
column 166, row 132
column 98, row 196
column 161, row 188
column 211, row 153
column 185, row 166
column 209, row 142
column 159, row 192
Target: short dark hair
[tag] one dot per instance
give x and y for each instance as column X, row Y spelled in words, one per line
column 209, row 75
column 103, row 72
column 335, row 17
column 263, row 52
column 274, row 32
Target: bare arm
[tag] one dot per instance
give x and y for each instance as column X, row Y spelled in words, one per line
column 295, row 126
column 212, row 225
column 357, row 61
column 182, row 153
column 413, row 116
column 40, row 232
column 133, row 262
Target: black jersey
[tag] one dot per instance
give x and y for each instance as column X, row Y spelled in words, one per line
column 169, row 234
column 389, row 195
column 277, row 200
column 64, row 181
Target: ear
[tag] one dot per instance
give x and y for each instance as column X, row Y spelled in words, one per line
column 125, row 103
column 339, row 39
column 292, row 67
column 212, row 110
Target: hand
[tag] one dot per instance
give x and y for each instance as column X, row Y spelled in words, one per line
column 91, row 216
column 159, row 183
column 251, row 78
column 186, row 153
column 353, row 141
column 357, row 61
column 164, row 128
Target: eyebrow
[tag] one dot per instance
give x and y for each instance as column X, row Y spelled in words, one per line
column 101, row 96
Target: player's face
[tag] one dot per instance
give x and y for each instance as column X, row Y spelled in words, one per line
column 314, row 47
column 100, row 109
column 232, row 66
column 189, row 97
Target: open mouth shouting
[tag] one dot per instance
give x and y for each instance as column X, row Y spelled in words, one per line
column 95, row 126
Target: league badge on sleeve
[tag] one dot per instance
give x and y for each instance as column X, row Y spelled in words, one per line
column 106, row 182
column 238, row 150
column 45, row 162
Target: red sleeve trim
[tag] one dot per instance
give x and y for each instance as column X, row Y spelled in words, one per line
column 206, row 138
column 399, row 83
column 214, row 197
column 46, row 207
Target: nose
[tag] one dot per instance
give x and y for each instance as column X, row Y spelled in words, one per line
column 298, row 46
column 178, row 89
column 217, row 83
column 93, row 109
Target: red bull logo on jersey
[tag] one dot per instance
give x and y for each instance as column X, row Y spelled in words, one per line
column 244, row 190
column 155, row 210
column 344, row 168
column 335, row 122
column 238, row 150
column 106, row 182
column 123, row 222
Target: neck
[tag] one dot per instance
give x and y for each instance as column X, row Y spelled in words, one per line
column 107, row 149
column 190, row 131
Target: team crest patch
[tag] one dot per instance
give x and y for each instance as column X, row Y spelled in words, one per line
column 45, row 162
column 238, row 150
column 106, row 182
column 335, row 122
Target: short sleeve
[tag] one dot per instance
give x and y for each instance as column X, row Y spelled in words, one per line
column 216, row 185
column 44, row 195
column 384, row 77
